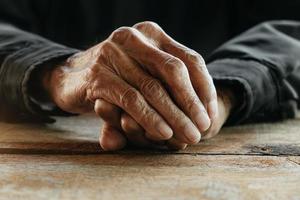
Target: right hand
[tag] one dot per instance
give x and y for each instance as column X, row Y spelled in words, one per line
column 153, row 85
column 226, row 102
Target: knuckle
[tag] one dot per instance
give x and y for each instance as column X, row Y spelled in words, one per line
column 105, row 52
column 130, row 98
column 106, row 48
column 152, row 88
column 191, row 101
column 174, row 66
column 146, row 25
column 196, row 58
column 147, row 116
column 122, row 34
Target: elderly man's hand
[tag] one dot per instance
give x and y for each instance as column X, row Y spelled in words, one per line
column 135, row 133
column 161, row 84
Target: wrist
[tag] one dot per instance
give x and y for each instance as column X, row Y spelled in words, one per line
column 227, row 98
column 45, row 82
column 226, row 104
column 49, row 80
column 39, row 84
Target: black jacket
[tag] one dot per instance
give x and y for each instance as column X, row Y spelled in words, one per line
column 262, row 64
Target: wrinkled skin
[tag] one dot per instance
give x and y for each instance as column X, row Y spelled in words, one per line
column 148, row 88
column 135, row 133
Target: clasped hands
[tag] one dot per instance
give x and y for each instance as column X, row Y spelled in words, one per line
column 150, row 90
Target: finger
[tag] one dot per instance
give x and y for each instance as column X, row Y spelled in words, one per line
column 214, row 129
column 175, row 144
column 224, row 111
column 201, row 79
column 135, row 134
column 129, row 125
column 157, row 96
column 111, row 139
column 120, row 93
column 133, row 131
column 108, row 112
column 171, row 70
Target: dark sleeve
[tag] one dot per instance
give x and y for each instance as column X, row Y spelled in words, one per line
column 21, row 53
column 262, row 65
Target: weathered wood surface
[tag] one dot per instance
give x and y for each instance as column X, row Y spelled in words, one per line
column 79, row 135
column 149, row 177
column 64, row 161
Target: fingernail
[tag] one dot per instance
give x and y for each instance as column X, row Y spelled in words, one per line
column 192, row 133
column 202, row 121
column 164, row 130
column 212, row 109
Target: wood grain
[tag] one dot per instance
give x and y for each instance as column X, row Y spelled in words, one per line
column 64, row 161
column 79, row 135
column 132, row 176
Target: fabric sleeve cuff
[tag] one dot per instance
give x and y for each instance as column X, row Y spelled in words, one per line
column 248, row 79
column 17, row 68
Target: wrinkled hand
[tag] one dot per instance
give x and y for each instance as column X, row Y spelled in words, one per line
column 134, row 132
column 161, row 84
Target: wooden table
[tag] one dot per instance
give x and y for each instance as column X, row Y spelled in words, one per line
column 64, row 161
